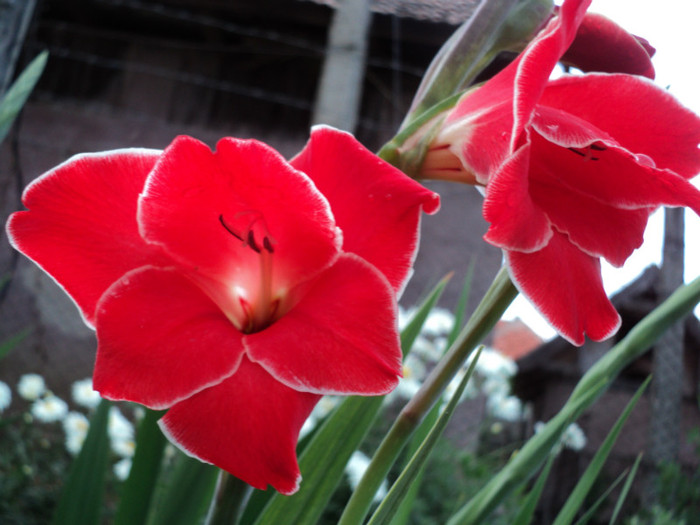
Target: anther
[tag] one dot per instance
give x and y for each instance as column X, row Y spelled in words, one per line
column 251, row 242
column 268, row 245
column 586, row 155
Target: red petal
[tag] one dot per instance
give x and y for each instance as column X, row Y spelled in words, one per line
column 535, row 64
column 598, row 229
column 81, row 225
column 479, row 136
column 602, row 45
column 202, row 208
column 516, row 222
column 247, row 425
column 524, row 79
column 565, row 285
column 341, row 338
column 375, row 205
column 601, row 170
column 160, row 339
column 640, row 116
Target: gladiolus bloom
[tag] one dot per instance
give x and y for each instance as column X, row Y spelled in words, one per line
column 572, row 168
column 232, row 288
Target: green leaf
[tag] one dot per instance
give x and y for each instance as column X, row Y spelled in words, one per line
column 323, row 461
column 13, row 101
column 626, row 489
column 81, row 499
column 403, row 513
column 413, row 328
column 598, row 502
column 522, row 465
column 389, row 506
column 529, row 504
column 461, row 306
column 578, row 495
column 587, row 391
column 186, row 494
column 137, row 492
column 7, row 346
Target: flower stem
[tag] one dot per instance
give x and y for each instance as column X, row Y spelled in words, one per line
column 497, row 299
column 229, row 500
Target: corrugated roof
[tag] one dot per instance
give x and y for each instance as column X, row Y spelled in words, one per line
column 448, row 11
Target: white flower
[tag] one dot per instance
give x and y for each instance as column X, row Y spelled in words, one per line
column 430, row 350
column 76, row 426
column 493, row 364
column 405, row 315
column 324, row 407
column 31, row 386
column 470, row 391
column 507, row 408
column 308, row 426
column 123, row 447
column 356, row 468
column 574, row 437
column 439, row 322
column 122, row 469
column 49, row 409
column 413, row 372
column 84, row 395
column 118, row 427
column 5, row 396
column 496, row 386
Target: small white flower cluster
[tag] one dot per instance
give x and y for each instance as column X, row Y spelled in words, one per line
column 5, row 396
column 573, row 438
column 48, row 408
column 428, row 347
column 492, row 374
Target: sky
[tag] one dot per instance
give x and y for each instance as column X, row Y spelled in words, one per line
column 671, row 27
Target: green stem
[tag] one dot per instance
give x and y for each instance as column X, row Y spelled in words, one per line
column 229, row 500
column 497, row 299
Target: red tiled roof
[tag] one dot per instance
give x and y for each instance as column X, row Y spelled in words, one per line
column 514, row 339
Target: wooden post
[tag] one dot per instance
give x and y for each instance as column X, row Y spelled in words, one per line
column 15, row 16
column 667, row 383
column 340, row 87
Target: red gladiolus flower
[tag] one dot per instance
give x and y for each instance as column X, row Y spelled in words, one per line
column 572, row 169
column 232, row 287
column 603, row 46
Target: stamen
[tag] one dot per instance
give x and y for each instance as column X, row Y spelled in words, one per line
column 587, row 154
column 596, row 147
column 268, row 245
column 228, row 228
column 251, row 242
